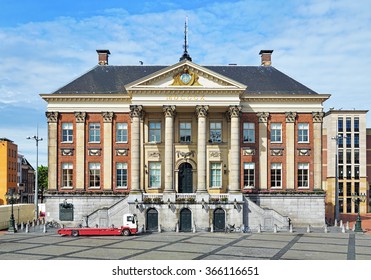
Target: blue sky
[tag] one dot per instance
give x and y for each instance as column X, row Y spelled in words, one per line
column 46, row 44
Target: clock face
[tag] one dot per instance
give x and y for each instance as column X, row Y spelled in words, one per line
column 185, row 78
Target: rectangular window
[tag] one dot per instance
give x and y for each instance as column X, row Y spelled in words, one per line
column 276, row 175
column 356, row 156
column 94, row 175
column 276, row 132
column 356, row 187
column 121, row 175
column 349, row 140
column 356, row 140
column 341, row 189
column 303, row 175
column 356, row 172
column 249, row 175
column 155, row 174
column 303, row 132
column 215, row 174
column 67, row 132
column 349, row 172
column 248, row 132
column 340, row 140
column 341, row 205
column 154, row 134
column 349, row 189
column 185, row 132
column 67, row 175
column 340, row 157
column 348, row 124
column 94, row 132
column 356, row 124
column 215, row 132
column 340, row 125
column 349, row 156
column 341, row 172
column 349, row 205
column 122, row 132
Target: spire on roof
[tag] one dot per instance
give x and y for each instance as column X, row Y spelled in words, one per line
column 185, row 53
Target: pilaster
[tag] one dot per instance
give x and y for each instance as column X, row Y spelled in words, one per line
column 52, row 118
column 234, row 158
column 169, row 112
column 80, row 150
column 317, row 147
column 201, row 112
column 136, row 112
column 263, row 150
column 107, row 150
column 290, row 150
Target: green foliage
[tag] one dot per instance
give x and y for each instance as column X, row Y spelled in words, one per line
column 42, row 173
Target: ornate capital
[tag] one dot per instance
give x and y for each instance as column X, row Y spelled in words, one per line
column 52, row 117
column 136, row 111
column 107, row 117
column 263, row 117
column 234, row 111
column 80, row 117
column 317, row 117
column 202, row 110
column 290, row 117
column 169, row 110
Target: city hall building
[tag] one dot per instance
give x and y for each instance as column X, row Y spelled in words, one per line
column 186, row 147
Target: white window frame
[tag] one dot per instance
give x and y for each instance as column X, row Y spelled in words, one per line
column 152, row 137
column 94, row 132
column 121, row 175
column 186, row 128
column 249, row 170
column 154, row 175
column 121, row 132
column 249, row 131
column 67, row 131
column 276, row 166
column 276, row 132
column 216, row 179
column 67, row 175
column 303, row 171
column 303, row 132
column 94, row 172
column 216, row 132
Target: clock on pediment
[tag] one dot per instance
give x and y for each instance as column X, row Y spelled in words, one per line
column 186, row 78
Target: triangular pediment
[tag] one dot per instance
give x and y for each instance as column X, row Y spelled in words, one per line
column 185, row 75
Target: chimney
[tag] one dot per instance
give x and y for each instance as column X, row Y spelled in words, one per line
column 103, row 57
column 266, row 56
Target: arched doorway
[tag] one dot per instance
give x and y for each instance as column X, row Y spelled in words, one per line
column 185, row 221
column 185, row 180
column 219, row 219
column 152, row 220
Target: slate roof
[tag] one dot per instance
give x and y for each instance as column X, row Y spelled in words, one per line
column 112, row 79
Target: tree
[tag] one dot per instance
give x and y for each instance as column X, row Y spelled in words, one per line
column 42, row 174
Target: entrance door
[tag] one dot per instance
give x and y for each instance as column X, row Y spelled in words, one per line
column 219, row 220
column 185, row 223
column 185, row 180
column 152, row 220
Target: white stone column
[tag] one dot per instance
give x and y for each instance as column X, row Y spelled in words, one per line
column 290, row 150
column 107, row 150
column 263, row 150
column 234, row 158
column 52, row 118
column 80, row 150
column 317, row 147
column 201, row 111
column 135, row 115
column 169, row 112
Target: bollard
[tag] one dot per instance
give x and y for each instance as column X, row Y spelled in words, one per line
column 326, row 229
column 343, row 229
column 194, row 228
column 159, row 228
column 22, row 226
column 259, row 229
column 291, row 229
column 308, row 228
column 37, row 222
column 347, row 227
column 27, row 229
column 212, row 228
column 341, row 223
column 335, row 223
column 275, row 228
column 44, row 228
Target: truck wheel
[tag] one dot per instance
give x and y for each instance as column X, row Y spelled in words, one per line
column 75, row 233
column 126, row 232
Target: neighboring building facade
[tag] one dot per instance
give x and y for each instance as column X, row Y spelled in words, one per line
column 26, row 180
column 345, row 133
column 368, row 153
column 186, row 147
column 8, row 168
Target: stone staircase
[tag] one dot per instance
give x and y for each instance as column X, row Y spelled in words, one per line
column 264, row 219
column 108, row 216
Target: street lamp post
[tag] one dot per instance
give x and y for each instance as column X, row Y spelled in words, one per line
column 12, row 197
column 357, row 199
column 37, row 140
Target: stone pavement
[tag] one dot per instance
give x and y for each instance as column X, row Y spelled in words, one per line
column 299, row 245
